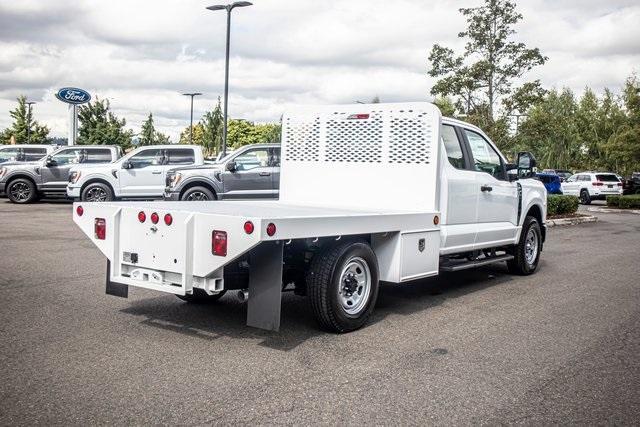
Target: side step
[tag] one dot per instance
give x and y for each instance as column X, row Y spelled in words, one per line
column 464, row 265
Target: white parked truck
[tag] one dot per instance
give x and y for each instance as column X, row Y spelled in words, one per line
column 369, row 193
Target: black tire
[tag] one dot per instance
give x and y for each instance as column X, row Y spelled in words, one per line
column 97, row 192
column 22, row 191
column 324, row 285
column 585, row 199
column 199, row 296
column 520, row 264
column 197, row 194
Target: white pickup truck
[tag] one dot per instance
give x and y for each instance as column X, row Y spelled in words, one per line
column 141, row 174
column 369, row 193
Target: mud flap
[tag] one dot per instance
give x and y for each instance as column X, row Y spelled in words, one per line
column 113, row 288
column 265, row 286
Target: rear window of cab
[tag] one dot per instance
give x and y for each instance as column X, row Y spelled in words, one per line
column 607, row 177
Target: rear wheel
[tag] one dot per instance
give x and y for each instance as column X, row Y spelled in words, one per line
column 527, row 252
column 199, row 296
column 97, row 192
column 585, row 199
column 197, row 194
column 22, row 191
column 342, row 285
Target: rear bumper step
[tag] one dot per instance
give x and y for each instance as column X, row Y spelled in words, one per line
column 464, row 265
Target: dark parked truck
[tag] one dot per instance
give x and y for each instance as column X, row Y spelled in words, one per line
column 26, row 182
column 368, row 193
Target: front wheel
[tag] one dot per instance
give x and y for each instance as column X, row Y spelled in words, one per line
column 342, row 285
column 97, row 192
column 22, row 191
column 527, row 252
column 197, row 194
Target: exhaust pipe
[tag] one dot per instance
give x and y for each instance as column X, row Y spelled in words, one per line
column 243, row 295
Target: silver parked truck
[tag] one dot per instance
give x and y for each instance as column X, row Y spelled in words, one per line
column 25, row 182
column 368, row 194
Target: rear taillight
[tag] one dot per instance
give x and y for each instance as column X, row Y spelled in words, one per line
column 619, row 184
column 219, row 243
column 142, row 217
column 248, row 227
column 271, row 229
column 168, row 219
column 155, row 218
column 100, row 228
column 79, row 210
column 597, row 183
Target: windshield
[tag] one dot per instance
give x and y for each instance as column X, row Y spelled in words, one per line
column 607, row 178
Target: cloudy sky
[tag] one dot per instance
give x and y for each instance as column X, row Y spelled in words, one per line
column 141, row 54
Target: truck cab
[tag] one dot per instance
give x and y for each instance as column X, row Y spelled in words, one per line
column 25, row 152
column 27, row 181
column 141, row 174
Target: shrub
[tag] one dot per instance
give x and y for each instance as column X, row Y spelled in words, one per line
column 624, row 202
column 561, row 205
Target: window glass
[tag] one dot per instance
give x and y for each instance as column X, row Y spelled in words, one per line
column 572, row 178
column 252, row 159
column 275, row 157
column 8, row 154
column 452, row 147
column 485, row 158
column 71, row 156
column 181, row 156
column 607, row 178
column 31, row 154
column 584, row 178
column 98, row 155
column 146, row 158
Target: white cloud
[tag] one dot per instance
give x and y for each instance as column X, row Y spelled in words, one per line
column 143, row 55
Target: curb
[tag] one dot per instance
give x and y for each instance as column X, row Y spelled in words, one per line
column 613, row 210
column 571, row 221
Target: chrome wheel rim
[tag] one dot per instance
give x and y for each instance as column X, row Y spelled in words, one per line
column 197, row 196
column 96, row 194
column 20, row 192
column 531, row 247
column 354, row 287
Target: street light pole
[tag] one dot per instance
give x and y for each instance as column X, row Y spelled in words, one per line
column 29, row 104
column 228, row 8
column 191, row 121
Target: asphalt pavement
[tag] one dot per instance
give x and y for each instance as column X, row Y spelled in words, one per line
column 559, row 347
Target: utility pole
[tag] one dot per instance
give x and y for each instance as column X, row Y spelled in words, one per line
column 29, row 104
column 191, row 121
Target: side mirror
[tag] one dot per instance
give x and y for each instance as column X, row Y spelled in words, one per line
column 127, row 165
column 526, row 165
column 231, row 166
column 50, row 161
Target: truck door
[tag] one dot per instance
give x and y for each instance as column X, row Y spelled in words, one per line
column 252, row 176
column 145, row 177
column 497, row 197
column 55, row 169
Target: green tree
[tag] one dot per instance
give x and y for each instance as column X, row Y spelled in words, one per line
column 486, row 72
column 148, row 132
column 162, row 139
column 24, row 128
column 98, row 125
column 213, row 126
column 243, row 132
column 198, row 135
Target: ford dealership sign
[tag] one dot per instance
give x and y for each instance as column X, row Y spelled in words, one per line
column 73, row 95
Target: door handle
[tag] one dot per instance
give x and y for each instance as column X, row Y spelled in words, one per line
column 486, row 188
column 265, row 173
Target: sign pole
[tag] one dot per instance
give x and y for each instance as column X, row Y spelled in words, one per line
column 73, row 124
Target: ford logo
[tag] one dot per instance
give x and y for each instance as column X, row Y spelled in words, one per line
column 73, row 95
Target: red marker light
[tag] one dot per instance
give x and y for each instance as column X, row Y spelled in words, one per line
column 358, row 117
column 142, row 217
column 100, row 228
column 248, row 227
column 271, row 229
column 155, row 218
column 79, row 210
column 168, row 219
column 219, row 243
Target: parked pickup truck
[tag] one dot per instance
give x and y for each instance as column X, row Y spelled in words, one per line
column 141, row 174
column 26, row 182
column 368, row 193
column 25, row 152
column 252, row 172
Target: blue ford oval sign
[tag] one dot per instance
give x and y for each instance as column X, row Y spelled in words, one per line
column 73, row 95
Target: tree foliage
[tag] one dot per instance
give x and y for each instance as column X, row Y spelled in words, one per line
column 24, row 128
column 149, row 135
column 98, row 125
